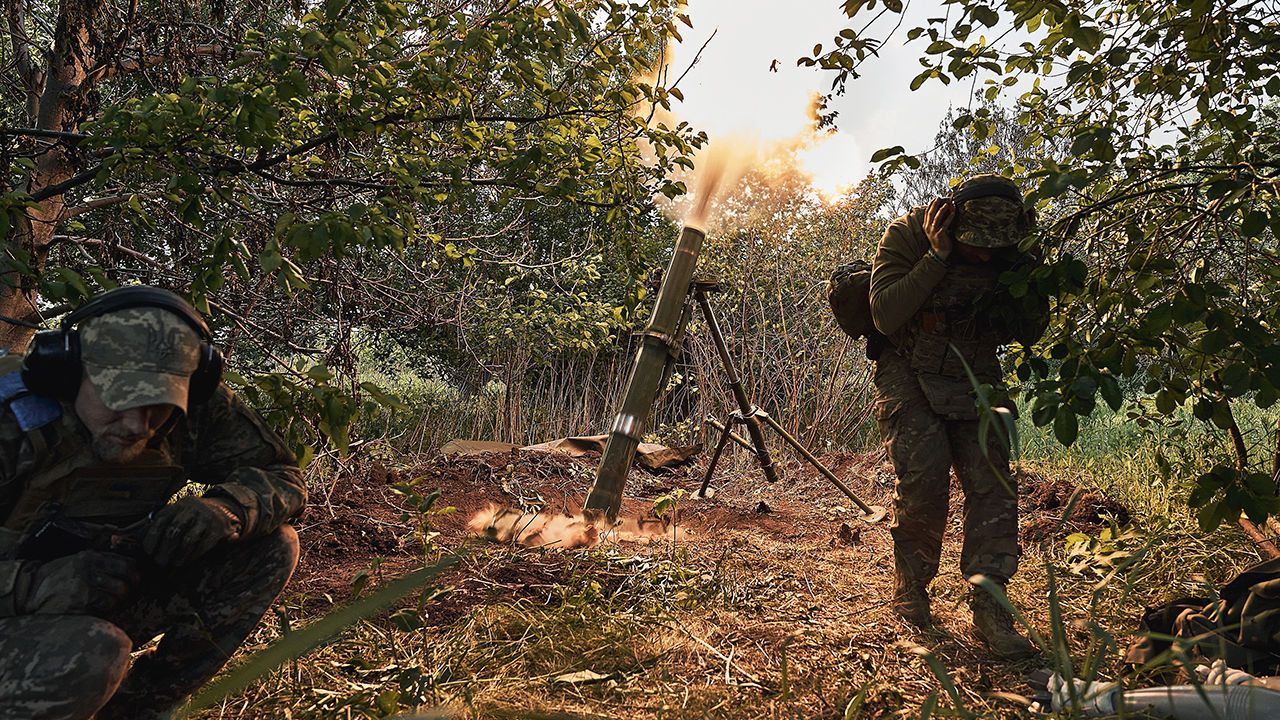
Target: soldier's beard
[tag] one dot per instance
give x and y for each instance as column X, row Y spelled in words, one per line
column 116, row 449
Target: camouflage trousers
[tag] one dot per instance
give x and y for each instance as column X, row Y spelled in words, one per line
column 924, row 445
column 69, row 667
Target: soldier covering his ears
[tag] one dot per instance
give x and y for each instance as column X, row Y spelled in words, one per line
column 932, row 269
column 105, row 421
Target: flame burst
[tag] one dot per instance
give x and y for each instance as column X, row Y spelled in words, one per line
column 536, row 529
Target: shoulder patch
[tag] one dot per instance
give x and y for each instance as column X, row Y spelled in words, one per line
column 31, row 411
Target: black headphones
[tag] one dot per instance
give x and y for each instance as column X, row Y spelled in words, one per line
column 52, row 366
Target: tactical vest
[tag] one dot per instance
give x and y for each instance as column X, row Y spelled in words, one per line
column 64, row 482
column 950, row 319
column 948, row 332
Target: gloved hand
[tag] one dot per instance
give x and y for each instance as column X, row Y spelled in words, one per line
column 1220, row 674
column 86, row 583
column 1093, row 699
column 185, row 530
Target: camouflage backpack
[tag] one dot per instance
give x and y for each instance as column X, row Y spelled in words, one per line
column 849, row 294
column 1241, row 626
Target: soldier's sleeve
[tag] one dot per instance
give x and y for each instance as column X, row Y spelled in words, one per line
column 903, row 273
column 10, row 570
column 246, row 463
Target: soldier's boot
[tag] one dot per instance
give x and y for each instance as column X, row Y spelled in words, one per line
column 911, row 602
column 994, row 626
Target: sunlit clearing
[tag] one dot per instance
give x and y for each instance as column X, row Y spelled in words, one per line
column 540, row 529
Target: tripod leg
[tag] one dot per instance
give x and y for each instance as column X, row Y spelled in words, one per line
column 745, row 408
column 715, row 459
column 746, row 445
column 762, row 451
column 804, row 452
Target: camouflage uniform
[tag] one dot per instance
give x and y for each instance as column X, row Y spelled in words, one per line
column 70, row 665
column 925, row 405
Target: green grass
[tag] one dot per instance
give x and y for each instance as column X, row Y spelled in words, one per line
column 1149, row 469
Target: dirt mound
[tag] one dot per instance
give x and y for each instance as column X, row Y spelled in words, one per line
column 1043, row 501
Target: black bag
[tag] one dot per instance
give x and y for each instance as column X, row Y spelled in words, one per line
column 1242, row 626
column 849, row 294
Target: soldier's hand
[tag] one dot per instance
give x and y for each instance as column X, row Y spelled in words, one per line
column 937, row 225
column 86, row 583
column 187, row 529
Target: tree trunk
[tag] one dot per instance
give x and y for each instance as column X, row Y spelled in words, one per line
column 60, row 107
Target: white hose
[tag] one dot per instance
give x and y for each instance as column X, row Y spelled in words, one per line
column 1219, row 701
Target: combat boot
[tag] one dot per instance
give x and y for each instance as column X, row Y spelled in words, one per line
column 994, row 626
column 911, row 601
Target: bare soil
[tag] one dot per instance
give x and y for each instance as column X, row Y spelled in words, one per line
column 795, row 624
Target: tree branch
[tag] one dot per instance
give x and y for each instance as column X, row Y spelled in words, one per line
column 16, row 15
column 298, row 150
column 126, row 65
column 76, row 180
column 97, row 203
column 42, row 133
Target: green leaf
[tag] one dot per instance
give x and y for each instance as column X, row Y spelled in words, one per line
column 1066, row 427
column 1254, row 223
column 885, row 153
column 1210, row 516
column 1109, row 387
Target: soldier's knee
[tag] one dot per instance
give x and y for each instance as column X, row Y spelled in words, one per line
column 104, row 659
column 284, row 544
column 76, row 667
column 276, row 554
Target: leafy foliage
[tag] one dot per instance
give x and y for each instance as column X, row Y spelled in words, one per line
column 316, row 177
column 1149, row 139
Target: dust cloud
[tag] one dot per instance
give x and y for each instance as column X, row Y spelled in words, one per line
column 746, row 136
column 717, row 170
column 565, row 532
column 728, row 157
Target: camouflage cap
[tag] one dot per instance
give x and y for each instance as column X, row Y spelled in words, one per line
column 140, row 356
column 988, row 215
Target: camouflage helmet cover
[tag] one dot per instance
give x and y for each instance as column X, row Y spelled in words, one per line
column 140, row 356
column 990, row 212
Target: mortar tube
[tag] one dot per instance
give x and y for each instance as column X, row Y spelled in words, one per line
column 646, row 376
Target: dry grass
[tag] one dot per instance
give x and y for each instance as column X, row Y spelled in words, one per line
column 753, row 616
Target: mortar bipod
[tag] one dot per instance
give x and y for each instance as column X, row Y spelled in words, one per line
column 753, row 417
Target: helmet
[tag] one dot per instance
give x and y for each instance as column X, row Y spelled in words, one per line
column 990, row 212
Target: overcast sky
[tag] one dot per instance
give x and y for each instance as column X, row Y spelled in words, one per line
column 732, row 91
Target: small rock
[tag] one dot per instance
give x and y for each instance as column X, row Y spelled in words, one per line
column 846, row 535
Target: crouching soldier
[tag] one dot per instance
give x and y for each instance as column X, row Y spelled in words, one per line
column 105, row 421
column 933, row 271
